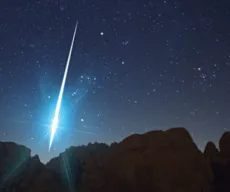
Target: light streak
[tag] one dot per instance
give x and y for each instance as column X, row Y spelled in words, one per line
column 11, row 172
column 55, row 122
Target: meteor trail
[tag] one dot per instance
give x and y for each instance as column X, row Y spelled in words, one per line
column 54, row 125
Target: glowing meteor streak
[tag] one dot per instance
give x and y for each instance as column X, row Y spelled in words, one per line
column 54, row 125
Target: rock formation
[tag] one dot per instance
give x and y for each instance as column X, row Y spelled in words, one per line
column 220, row 162
column 70, row 164
column 211, row 150
column 158, row 161
column 20, row 172
column 155, row 161
column 224, row 145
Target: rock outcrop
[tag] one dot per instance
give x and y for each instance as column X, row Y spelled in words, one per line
column 161, row 161
column 70, row 164
column 224, row 145
column 20, row 172
column 12, row 158
column 211, row 150
column 155, row 161
column 220, row 162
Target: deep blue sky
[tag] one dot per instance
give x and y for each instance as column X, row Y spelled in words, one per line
column 137, row 65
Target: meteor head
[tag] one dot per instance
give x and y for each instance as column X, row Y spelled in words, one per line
column 53, row 130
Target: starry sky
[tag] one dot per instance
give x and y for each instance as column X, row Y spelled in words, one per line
column 136, row 66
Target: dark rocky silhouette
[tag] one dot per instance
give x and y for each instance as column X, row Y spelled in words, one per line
column 224, row 145
column 211, row 150
column 70, row 164
column 20, row 172
column 158, row 161
column 155, row 161
column 220, row 162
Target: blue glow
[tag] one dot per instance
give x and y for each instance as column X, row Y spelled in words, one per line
column 55, row 121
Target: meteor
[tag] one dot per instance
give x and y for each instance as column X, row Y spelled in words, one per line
column 54, row 124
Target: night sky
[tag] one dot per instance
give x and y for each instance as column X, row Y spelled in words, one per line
column 136, row 66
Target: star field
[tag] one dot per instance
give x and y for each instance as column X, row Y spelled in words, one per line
column 136, row 66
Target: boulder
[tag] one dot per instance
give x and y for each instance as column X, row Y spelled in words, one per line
column 220, row 162
column 211, row 150
column 224, row 145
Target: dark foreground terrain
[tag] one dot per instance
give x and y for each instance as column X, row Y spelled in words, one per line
column 158, row 161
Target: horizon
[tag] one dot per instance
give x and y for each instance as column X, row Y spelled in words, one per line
column 45, row 161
